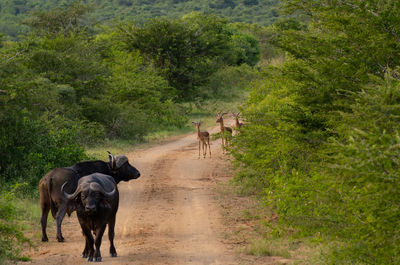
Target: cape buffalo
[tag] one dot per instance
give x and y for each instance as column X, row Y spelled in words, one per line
column 96, row 199
column 51, row 197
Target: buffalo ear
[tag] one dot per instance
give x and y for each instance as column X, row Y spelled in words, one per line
column 77, row 199
column 77, row 202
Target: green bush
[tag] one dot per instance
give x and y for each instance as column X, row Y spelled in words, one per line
column 30, row 150
column 321, row 141
column 11, row 237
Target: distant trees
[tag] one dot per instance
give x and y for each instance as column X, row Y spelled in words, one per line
column 64, row 20
column 12, row 12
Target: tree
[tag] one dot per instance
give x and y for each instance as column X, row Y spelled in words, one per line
column 60, row 20
column 188, row 51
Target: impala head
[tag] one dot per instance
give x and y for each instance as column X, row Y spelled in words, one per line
column 219, row 116
column 236, row 115
column 197, row 124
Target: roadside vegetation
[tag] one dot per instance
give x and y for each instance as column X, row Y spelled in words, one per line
column 321, row 141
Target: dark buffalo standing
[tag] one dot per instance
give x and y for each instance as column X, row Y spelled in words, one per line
column 96, row 199
column 51, row 197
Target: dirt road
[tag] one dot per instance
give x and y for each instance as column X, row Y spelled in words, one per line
column 167, row 216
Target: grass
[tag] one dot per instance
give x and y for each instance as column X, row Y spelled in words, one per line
column 18, row 217
column 267, row 247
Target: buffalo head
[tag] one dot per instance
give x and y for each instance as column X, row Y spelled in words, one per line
column 121, row 169
column 91, row 195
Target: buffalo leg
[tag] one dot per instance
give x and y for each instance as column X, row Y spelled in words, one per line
column 89, row 250
column 59, row 218
column 111, row 225
column 43, row 220
column 97, row 242
column 86, row 249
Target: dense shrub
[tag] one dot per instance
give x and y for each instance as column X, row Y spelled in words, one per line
column 11, row 238
column 30, row 149
column 321, row 139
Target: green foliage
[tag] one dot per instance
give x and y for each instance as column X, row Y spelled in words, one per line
column 366, row 163
column 263, row 12
column 321, row 138
column 59, row 20
column 58, row 92
column 30, row 150
column 188, row 51
column 11, row 237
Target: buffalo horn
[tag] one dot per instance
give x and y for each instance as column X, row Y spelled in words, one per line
column 112, row 160
column 73, row 195
column 97, row 187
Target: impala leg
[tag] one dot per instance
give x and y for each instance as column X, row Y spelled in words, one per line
column 199, row 149
column 209, row 146
column 204, row 149
column 222, row 139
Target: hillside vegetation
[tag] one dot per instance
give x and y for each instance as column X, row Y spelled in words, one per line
column 263, row 12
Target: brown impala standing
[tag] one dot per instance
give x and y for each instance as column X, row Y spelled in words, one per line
column 237, row 123
column 204, row 138
column 223, row 129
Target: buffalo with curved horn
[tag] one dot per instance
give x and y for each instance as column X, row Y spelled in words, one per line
column 51, row 197
column 96, row 198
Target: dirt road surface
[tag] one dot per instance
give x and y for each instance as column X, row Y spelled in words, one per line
column 167, row 216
